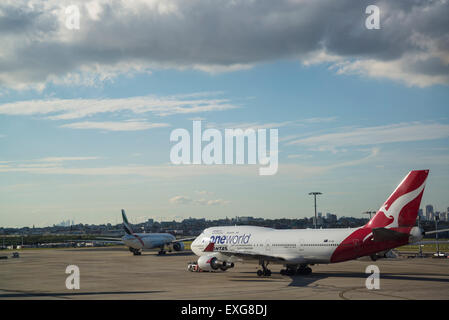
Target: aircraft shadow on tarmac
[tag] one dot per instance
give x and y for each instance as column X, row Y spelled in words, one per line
column 297, row 281
column 65, row 294
column 303, row 281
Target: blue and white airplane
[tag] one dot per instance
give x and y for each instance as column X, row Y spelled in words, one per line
column 136, row 242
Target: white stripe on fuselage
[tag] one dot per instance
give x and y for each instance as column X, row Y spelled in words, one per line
column 293, row 245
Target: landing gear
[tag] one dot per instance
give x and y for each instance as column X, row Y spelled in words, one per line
column 162, row 251
column 289, row 271
column 265, row 271
column 304, row 270
column 292, row 270
column 135, row 252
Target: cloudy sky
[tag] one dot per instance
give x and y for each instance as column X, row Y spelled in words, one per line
column 86, row 114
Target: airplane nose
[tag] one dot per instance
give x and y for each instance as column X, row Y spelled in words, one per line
column 193, row 246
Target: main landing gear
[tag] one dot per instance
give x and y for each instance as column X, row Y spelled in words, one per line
column 162, row 251
column 135, row 252
column 292, row 270
column 265, row 271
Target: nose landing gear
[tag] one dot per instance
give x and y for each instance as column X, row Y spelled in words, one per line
column 135, row 252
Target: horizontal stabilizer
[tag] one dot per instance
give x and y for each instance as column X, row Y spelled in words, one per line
column 435, row 231
column 426, row 242
column 383, row 234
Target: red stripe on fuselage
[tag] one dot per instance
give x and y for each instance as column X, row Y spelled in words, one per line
column 354, row 245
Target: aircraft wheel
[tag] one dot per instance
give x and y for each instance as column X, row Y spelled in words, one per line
column 307, row 271
column 259, row 273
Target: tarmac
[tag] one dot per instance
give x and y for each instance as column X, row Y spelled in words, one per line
column 114, row 273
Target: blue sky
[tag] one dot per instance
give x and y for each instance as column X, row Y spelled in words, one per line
column 82, row 143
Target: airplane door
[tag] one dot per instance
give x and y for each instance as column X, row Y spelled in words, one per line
column 301, row 245
column 267, row 245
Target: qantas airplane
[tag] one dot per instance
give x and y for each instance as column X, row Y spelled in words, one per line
column 136, row 242
column 393, row 226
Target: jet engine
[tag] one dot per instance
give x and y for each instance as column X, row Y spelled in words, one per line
column 416, row 234
column 211, row 263
column 178, row 246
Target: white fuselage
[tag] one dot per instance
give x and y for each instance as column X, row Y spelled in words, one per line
column 147, row 240
column 295, row 246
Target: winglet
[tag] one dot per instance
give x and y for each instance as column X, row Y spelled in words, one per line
column 210, row 247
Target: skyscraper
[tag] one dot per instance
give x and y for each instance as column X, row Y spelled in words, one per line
column 429, row 212
column 420, row 214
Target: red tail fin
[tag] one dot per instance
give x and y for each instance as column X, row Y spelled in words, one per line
column 401, row 208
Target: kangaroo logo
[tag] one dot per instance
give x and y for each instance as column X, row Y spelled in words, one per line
column 392, row 211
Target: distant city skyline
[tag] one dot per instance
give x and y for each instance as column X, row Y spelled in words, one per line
column 443, row 216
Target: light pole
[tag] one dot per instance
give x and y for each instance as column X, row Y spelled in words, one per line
column 369, row 212
column 437, row 217
column 314, row 196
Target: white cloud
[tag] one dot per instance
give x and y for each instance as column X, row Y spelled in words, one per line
column 128, row 37
column 69, row 109
column 402, row 132
column 248, row 125
column 180, row 200
column 299, row 156
column 61, row 159
column 394, row 70
column 116, row 126
column 269, row 125
column 204, row 192
column 291, row 170
column 215, row 202
column 201, row 202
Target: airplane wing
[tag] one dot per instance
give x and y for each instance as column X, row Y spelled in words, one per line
column 251, row 255
column 184, row 239
column 242, row 253
column 112, row 239
column 109, row 241
column 98, row 240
